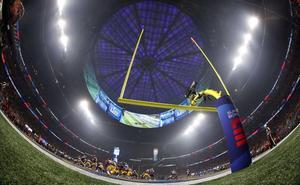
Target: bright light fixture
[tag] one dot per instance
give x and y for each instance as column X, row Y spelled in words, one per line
column 253, row 22
column 243, row 50
column 200, row 116
column 61, row 24
column 247, row 38
column 64, row 41
column 198, row 120
column 195, row 124
column 234, row 67
column 188, row 130
column 237, row 61
column 61, row 4
column 83, row 104
column 92, row 120
column 88, row 113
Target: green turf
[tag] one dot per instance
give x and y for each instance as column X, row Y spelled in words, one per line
column 21, row 164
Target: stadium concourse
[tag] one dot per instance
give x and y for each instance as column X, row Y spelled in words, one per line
column 62, row 97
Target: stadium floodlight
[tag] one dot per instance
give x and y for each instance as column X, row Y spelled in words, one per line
column 198, row 119
column 242, row 51
column 83, row 104
column 200, row 116
column 247, row 38
column 253, row 22
column 64, row 41
column 195, row 124
column 61, row 4
column 237, row 62
column 92, row 120
column 188, row 130
column 88, row 113
column 61, row 24
column 234, row 67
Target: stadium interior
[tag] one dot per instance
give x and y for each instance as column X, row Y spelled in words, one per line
column 129, row 91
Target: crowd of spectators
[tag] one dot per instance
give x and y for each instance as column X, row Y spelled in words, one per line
column 11, row 107
column 12, row 110
column 283, row 126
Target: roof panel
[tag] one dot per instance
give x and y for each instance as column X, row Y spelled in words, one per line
column 166, row 61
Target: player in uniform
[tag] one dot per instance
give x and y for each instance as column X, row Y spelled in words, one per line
column 270, row 137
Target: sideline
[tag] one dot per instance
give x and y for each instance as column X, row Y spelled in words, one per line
column 270, row 150
column 124, row 182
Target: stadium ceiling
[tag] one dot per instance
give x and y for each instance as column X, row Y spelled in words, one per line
column 166, row 62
